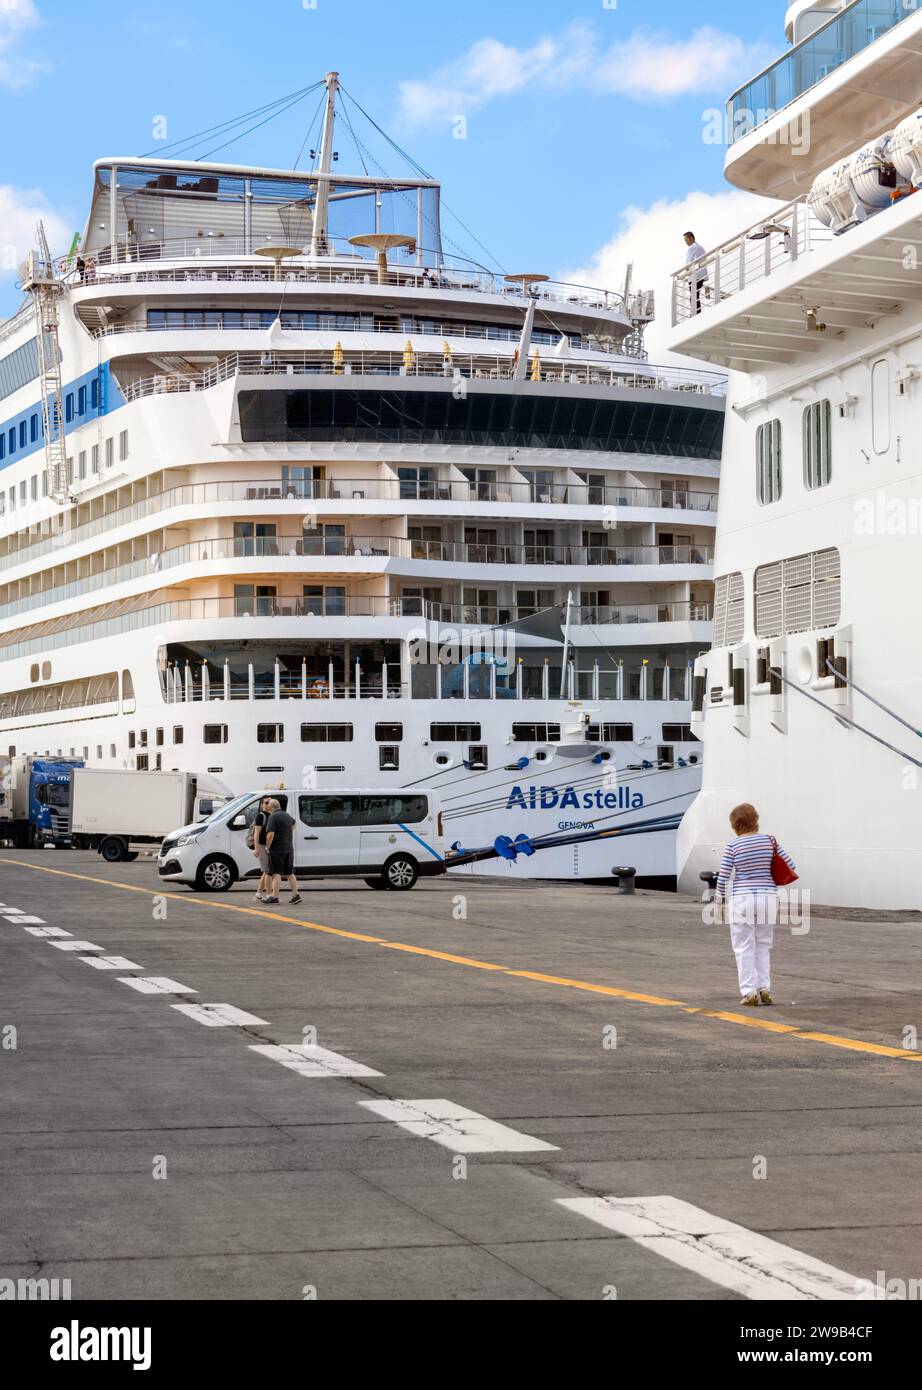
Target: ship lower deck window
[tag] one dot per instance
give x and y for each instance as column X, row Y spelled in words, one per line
column 610, row 733
column 679, row 733
column 536, row 733
column 177, row 733
column 768, row 462
column 270, row 733
column 388, row 733
column 478, row 757
column 326, row 733
column 729, row 615
column 798, row 594
column 215, row 733
column 817, row 420
column 454, row 733
column 880, row 406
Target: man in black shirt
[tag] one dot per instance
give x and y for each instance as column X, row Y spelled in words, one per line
column 280, row 844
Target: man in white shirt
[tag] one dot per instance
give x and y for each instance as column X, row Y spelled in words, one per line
column 697, row 274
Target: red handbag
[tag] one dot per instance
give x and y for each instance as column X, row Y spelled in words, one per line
column 782, row 873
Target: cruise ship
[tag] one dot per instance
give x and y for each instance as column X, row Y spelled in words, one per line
column 292, row 496
column 809, row 704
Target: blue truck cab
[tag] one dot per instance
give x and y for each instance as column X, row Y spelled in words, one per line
column 49, row 800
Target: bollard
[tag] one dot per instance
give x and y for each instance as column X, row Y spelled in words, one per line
column 709, row 876
column 625, row 877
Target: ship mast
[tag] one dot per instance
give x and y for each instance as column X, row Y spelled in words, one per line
column 319, row 241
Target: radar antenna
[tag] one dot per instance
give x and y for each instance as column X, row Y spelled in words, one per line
column 41, row 282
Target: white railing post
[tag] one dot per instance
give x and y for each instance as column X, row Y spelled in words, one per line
column 358, row 679
column 303, row 679
column 438, row 680
column 595, row 682
column 383, row 680
column 206, row 682
column 330, row 691
column 277, row 680
column 227, row 680
column 465, row 678
column 492, row 680
column 251, row 682
column 190, row 692
column 546, row 681
column 520, row 681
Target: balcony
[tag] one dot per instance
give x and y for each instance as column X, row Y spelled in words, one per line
column 207, row 496
column 849, row 81
column 478, row 367
column 761, row 284
column 133, row 615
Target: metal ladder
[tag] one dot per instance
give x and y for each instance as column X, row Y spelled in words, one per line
column 46, row 289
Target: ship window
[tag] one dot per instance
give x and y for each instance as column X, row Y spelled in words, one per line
column 110, row 452
column 94, row 457
column 610, row 733
column 817, row 420
column 478, row 757
column 798, row 594
column 728, row 610
column 454, row 733
column 158, row 738
column 389, row 758
column 12, row 440
column 81, row 464
column 81, row 401
column 270, row 733
column 131, row 738
column 880, row 406
column 23, row 428
column 388, row 733
column 679, row 733
column 142, row 763
column 69, row 407
column 33, row 487
column 177, row 733
column 326, row 733
column 123, row 446
column 536, row 733
column 768, row 462
column 2, row 445
column 33, row 429
column 215, row 733
column 94, row 393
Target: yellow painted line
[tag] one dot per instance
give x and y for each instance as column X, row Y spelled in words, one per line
column 789, row 1029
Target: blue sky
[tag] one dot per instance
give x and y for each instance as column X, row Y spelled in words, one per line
column 574, row 112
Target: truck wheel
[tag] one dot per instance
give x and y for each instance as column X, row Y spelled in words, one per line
column 130, row 857
column 113, row 850
column 215, row 875
column 400, row 873
column 376, row 883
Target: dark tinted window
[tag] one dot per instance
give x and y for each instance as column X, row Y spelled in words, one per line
column 330, row 810
column 536, row 421
column 395, row 810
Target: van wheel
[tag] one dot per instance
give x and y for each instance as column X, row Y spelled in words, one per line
column 400, row 873
column 215, row 875
column 113, row 851
column 376, row 883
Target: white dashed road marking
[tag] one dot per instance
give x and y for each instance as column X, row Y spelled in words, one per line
column 110, row 963
column 463, row 1131
column 22, row 918
column 47, row 931
column 75, row 946
column 155, row 984
column 718, row 1250
column 312, row 1061
column 218, row 1015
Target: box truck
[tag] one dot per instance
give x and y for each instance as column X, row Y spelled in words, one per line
column 118, row 812
column 35, row 799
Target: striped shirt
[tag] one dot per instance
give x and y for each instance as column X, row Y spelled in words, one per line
column 749, row 859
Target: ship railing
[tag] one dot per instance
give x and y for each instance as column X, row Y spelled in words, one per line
column 133, row 614
column 298, row 490
column 229, row 259
column 260, row 321
column 829, row 46
column 458, row 367
column 766, row 248
column 355, row 548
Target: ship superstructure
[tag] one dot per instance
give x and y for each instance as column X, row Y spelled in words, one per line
column 810, row 703
column 316, row 469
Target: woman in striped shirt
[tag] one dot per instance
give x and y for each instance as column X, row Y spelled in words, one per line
column 753, row 902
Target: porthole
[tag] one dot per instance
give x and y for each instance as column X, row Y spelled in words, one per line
column 46, row 670
column 34, row 671
column 443, row 760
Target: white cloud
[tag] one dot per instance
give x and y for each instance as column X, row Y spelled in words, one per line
column 20, row 211
column 648, row 65
column 651, row 239
column 17, row 17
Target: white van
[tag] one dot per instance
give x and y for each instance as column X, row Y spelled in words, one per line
column 387, row 837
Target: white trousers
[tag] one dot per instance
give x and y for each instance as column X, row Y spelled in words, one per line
column 752, row 927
